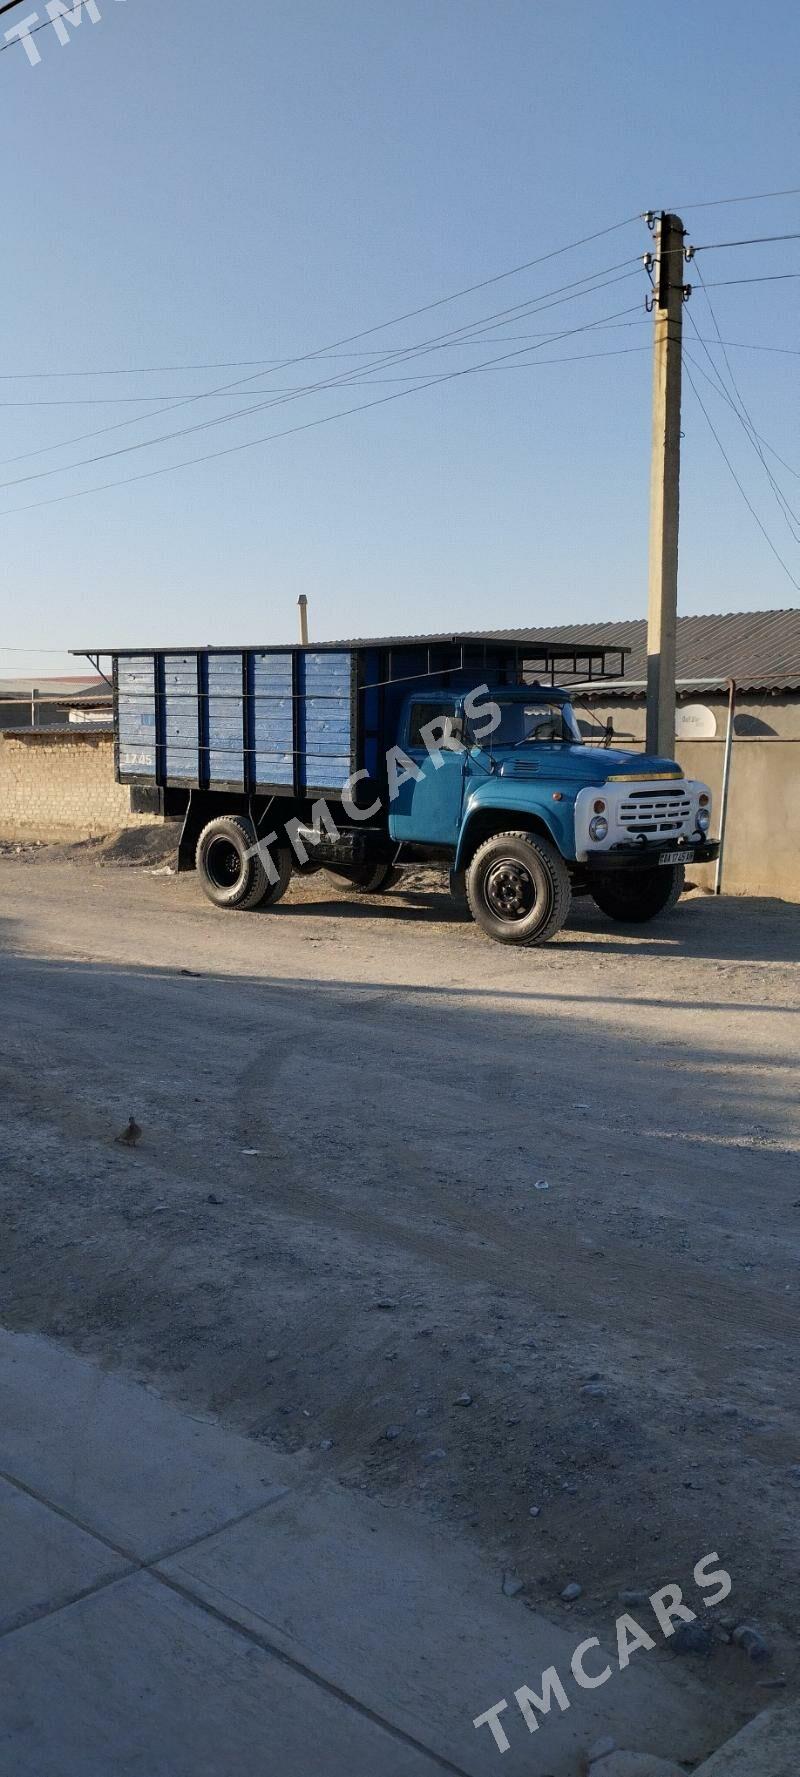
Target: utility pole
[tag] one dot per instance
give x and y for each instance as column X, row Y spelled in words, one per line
column 302, row 606
column 662, row 607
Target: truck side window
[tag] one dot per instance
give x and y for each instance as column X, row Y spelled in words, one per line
column 422, row 713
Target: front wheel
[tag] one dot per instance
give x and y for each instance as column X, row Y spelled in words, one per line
column 232, row 870
column 518, row 888
column 638, row 895
column 364, row 879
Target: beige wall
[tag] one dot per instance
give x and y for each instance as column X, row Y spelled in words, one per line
column 762, row 841
column 756, row 716
column 61, row 787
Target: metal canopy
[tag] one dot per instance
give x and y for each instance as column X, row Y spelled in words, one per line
column 580, row 657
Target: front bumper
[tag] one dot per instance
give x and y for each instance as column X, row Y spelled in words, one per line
column 645, row 857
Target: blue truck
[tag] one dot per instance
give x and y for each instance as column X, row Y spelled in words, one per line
column 364, row 758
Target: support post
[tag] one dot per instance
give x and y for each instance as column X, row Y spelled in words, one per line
column 662, row 604
column 726, row 782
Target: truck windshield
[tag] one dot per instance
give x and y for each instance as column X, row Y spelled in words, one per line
column 522, row 723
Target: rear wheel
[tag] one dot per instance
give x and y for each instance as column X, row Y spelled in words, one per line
column 231, row 870
column 364, row 879
column 518, row 888
column 638, row 895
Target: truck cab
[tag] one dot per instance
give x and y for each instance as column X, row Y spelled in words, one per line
column 531, row 814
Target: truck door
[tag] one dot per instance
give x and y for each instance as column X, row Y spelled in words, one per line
column 428, row 808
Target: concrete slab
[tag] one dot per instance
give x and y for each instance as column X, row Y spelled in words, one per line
column 137, row 1679
column 121, row 1461
column 767, row 1747
column 415, row 1626
column 46, row 1560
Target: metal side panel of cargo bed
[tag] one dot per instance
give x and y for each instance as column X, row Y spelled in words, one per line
column 281, row 721
column 298, row 721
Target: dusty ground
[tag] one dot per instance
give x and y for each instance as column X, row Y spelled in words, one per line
column 332, row 1228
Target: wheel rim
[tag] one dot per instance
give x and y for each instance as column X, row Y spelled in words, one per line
column 510, row 890
column 224, row 864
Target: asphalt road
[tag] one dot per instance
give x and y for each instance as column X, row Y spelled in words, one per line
column 387, row 1165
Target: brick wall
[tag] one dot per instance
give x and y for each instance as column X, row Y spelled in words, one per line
column 59, row 785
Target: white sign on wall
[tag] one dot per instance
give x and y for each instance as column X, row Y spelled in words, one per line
column 695, row 721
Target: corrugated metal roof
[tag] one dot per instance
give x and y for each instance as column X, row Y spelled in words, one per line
column 78, row 686
column 759, row 649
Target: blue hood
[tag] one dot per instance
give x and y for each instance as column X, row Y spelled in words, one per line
column 578, row 765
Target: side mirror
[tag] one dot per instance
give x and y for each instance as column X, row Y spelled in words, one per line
column 456, row 729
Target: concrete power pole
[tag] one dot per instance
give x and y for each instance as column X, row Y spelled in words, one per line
column 662, row 604
column 302, row 608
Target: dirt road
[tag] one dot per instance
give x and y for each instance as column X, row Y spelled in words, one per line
column 484, row 1231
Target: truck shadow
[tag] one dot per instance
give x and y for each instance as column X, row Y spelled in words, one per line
column 438, row 909
column 728, row 929
column 762, row 929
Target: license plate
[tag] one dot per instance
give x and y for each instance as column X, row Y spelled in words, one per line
column 676, row 857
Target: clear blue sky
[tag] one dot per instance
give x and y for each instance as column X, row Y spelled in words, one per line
column 200, row 182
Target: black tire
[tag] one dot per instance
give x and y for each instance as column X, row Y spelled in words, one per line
column 635, row 896
column 518, row 888
column 231, row 872
column 364, row 879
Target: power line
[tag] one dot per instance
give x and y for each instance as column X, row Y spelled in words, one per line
column 273, row 437
column 487, row 323
column 757, row 240
column 743, row 345
column 757, row 197
column 748, row 345
column 439, row 302
column 410, row 314
column 720, row 390
column 531, row 305
column 33, row 32
column 743, row 414
column 737, row 406
column 299, row 388
column 751, row 508
column 354, row 380
column 377, row 327
column 759, row 445
column 422, row 349
column 15, row 376
column 126, row 400
column 771, row 278
column 343, row 378
column 232, row 364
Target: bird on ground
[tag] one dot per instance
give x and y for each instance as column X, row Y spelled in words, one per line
column 130, row 1135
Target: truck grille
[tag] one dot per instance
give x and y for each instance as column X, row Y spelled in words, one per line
column 655, row 812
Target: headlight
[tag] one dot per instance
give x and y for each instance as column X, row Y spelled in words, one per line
column 703, row 821
column 598, row 827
